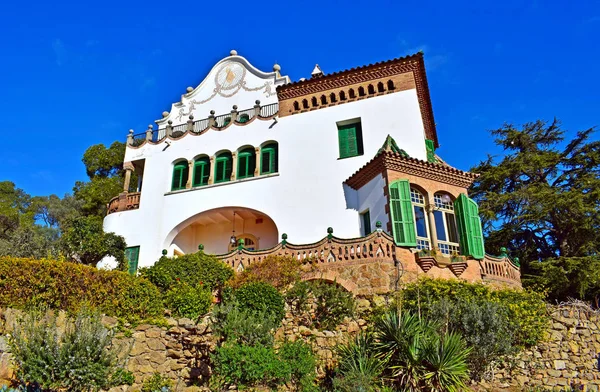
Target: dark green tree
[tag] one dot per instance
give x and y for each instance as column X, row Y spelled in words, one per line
column 84, row 241
column 542, row 200
column 104, row 167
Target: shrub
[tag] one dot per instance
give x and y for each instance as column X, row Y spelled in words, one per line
column 246, row 366
column 301, row 361
column 64, row 285
column 187, row 301
column 260, row 296
column 80, row 359
column 278, row 271
column 525, row 308
column 234, row 324
column 193, row 269
column 332, row 303
column 157, row 383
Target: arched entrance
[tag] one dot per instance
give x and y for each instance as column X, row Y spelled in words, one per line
column 215, row 229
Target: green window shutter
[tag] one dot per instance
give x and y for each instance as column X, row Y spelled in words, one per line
column 228, row 168
column 180, row 176
column 469, row 227
column 430, row 147
column 348, row 141
column 223, row 167
column 403, row 226
column 131, row 256
column 242, row 166
column 268, row 159
column 220, row 170
column 201, row 172
column 367, row 222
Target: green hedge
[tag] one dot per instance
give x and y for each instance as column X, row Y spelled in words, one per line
column 68, row 286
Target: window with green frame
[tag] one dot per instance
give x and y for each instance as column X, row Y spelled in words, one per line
column 365, row 218
column 131, row 257
column 269, row 159
column 246, row 163
column 201, row 171
column 180, row 175
column 223, row 167
column 350, row 140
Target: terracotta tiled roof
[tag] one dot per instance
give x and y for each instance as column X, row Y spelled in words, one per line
column 398, row 162
column 412, row 63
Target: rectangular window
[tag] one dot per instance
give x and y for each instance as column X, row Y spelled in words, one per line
column 366, row 222
column 452, row 232
column 420, row 223
column 131, row 257
column 350, row 139
column 440, row 227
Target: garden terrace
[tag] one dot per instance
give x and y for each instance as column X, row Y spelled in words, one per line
column 374, row 264
column 198, row 127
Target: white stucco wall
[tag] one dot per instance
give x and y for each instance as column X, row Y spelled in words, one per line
column 303, row 199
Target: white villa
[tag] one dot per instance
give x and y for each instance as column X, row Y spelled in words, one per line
column 249, row 155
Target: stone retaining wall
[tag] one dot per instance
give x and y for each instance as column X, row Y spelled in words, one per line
column 180, row 350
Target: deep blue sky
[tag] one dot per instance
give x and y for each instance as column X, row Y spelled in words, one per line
column 76, row 74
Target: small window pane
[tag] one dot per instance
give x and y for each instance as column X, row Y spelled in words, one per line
column 420, row 223
column 452, row 231
column 439, row 225
column 366, row 222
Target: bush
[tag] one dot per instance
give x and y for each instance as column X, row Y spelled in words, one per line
column 301, row 361
column 193, row 269
column 359, row 366
column 246, row 366
column 525, row 308
column 157, row 383
column 187, row 301
column 332, row 303
column 278, row 271
column 258, row 297
column 235, row 324
column 80, row 359
column 68, row 286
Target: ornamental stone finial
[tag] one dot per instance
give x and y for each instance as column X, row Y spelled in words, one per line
column 201, row 247
column 212, row 112
column 234, row 107
column 150, row 126
column 164, row 252
column 257, row 102
column 191, row 116
column 233, row 52
column 276, row 67
column 189, row 89
column 378, row 224
column 170, row 122
column 165, row 113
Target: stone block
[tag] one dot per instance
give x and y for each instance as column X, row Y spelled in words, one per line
column 153, row 332
column 559, row 365
column 155, row 344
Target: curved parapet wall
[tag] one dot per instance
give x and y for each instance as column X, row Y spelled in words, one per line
column 374, row 264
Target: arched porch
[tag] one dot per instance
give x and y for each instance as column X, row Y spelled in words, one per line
column 215, row 229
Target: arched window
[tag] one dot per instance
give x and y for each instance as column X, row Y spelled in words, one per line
column 180, row 175
column 390, row 85
column 269, row 159
column 314, row 101
column 332, row 98
column 380, row 88
column 420, row 219
column 361, row 91
column 351, row 93
column 371, row 89
column 323, row 100
column 246, row 163
column 342, row 96
column 296, row 105
column 445, row 224
column 201, row 171
column 243, row 118
column 223, row 167
column 250, row 242
column 305, row 104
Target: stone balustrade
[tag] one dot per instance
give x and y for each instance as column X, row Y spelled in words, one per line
column 124, row 202
column 374, row 264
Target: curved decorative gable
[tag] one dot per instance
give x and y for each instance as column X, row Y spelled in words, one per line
column 232, row 81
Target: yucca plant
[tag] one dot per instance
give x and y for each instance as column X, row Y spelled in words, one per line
column 418, row 357
column 360, row 369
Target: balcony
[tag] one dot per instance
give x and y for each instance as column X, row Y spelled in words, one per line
column 124, row 202
column 198, row 127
